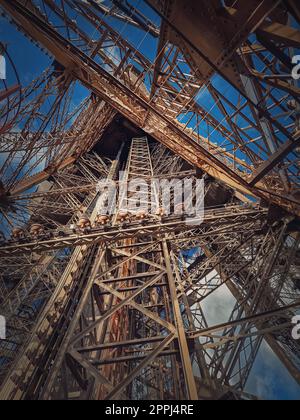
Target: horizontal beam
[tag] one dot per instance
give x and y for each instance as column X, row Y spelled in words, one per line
column 118, row 344
column 283, row 34
column 232, row 218
column 126, row 359
column 133, row 288
column 134, row 277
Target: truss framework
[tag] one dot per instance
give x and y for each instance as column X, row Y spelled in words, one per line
column 120, row 78
column 119, row 309
column 131, row 305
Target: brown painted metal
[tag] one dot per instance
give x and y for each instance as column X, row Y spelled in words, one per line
column 117, row 309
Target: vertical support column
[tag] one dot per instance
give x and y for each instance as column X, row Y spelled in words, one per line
column 44, row 348
column 182, row 340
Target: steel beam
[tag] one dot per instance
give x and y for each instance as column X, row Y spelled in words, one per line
column 275, row 159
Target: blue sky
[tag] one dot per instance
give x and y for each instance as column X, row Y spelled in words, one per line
column 269, row 378
column 27, row 58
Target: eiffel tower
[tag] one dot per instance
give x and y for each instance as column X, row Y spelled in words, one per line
column 107, row 300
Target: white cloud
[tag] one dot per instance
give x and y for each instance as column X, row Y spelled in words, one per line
column 269, row 378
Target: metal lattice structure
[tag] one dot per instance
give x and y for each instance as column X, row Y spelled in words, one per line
column 101, row 307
